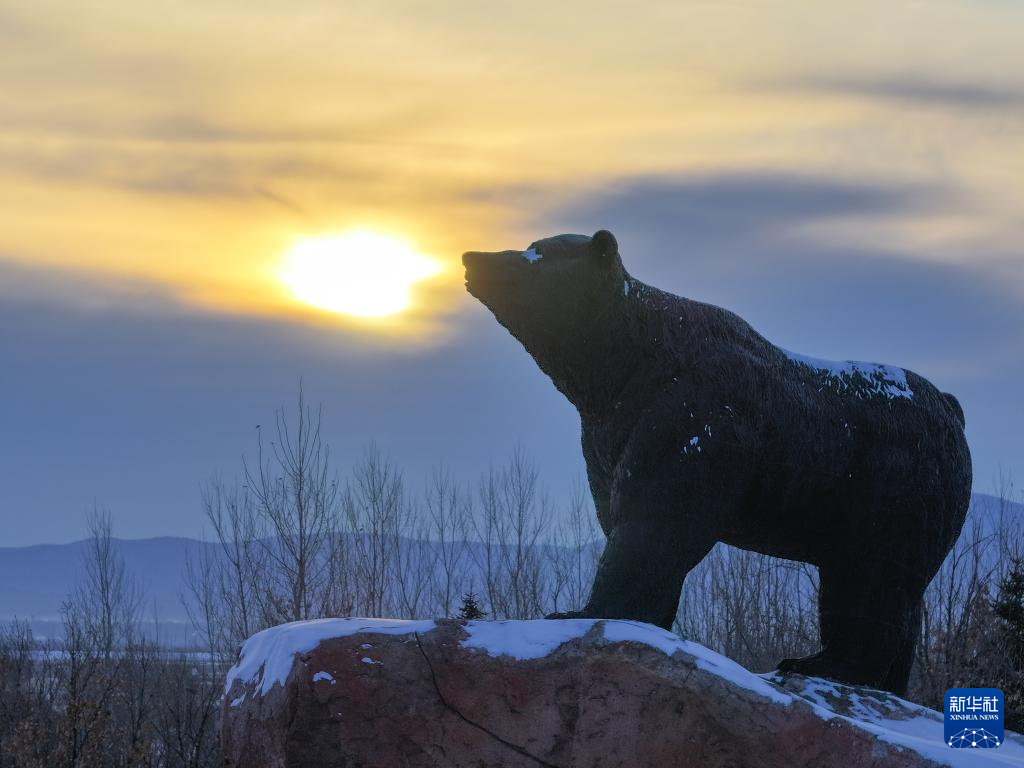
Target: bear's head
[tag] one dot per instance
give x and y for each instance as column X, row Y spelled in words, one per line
column 552, row 292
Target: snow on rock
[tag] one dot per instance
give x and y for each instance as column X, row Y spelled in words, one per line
column 709, row 661
column 531, row 255
column 887, row 717
column 267, row 657
column 895, row 721
column 524, row 640
column 859, row 377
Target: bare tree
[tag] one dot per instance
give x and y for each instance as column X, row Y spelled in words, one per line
column 107, row 601
column 449, row 511
column 415, row 561
column 373, row 507
column 295, row 494
column 512, row 521
column 26, row 694
column 228, row 595
column 184, row 714
column 104, row 691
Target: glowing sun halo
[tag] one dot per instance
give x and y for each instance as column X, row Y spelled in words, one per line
column 359, row 273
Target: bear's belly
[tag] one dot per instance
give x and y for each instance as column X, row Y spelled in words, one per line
column 797, row 530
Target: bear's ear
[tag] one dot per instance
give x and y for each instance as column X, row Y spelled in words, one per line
column 604, row 245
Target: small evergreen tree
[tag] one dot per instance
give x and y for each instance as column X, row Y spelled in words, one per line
column 470, row 610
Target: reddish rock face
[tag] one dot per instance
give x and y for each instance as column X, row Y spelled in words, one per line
column 427, row 698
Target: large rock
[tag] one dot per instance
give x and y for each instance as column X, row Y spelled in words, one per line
column 373, row 692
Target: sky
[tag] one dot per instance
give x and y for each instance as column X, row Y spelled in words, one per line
column 847, row 179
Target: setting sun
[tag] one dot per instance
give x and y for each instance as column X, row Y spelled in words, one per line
column 359, row 273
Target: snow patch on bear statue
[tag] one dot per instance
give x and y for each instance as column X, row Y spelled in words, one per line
column 697, row 430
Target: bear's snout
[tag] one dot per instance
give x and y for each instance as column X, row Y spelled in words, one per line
column 491, row 258
column 499, row 265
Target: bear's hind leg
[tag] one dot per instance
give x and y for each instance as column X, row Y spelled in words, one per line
column 870, row 615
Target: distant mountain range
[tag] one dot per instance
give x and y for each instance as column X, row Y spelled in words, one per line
column 36, row 580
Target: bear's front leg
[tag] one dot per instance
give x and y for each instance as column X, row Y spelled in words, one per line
column 642, row 569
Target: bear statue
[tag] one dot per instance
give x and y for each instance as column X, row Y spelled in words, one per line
column 696, row 430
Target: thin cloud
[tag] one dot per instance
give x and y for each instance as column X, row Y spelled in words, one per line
column 727, row 206
column 915, row 90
